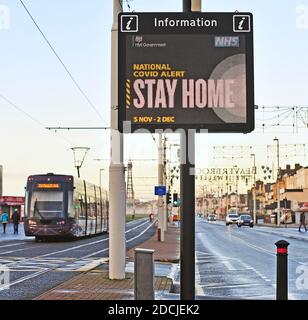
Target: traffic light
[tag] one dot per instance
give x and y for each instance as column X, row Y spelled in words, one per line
column 175, row 200
column 168, row 198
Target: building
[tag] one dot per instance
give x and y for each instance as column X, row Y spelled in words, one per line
column 9, row 204
column 293, row 191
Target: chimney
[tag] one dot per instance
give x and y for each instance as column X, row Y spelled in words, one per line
column 297, row 166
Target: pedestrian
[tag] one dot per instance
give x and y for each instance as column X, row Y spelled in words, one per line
column 16, row 220
column 4, row 220
column 302, row 221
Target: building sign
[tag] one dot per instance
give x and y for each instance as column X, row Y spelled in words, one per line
column 186, row 70
column 12, row 201
column 224, row 174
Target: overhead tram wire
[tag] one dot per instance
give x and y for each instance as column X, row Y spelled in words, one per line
column 38, row 122
column 62, row 63
column 12, row 104
column 28, row 115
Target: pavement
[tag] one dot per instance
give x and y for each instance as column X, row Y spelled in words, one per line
column 10, row 236
column 96, row 285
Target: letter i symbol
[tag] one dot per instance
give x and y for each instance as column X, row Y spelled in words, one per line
column 128, row 95
column 240, row 26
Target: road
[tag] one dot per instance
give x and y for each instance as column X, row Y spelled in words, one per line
column 240, row 263
column 37, row 267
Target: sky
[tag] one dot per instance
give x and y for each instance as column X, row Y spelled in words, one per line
column 33, row 80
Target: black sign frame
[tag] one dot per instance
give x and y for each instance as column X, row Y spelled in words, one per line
column 144, row 25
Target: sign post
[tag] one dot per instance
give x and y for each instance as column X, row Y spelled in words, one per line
column 185, row 73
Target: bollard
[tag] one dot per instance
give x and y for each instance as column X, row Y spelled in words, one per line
column 159, row 234
column 282, row 270
column 144, row 274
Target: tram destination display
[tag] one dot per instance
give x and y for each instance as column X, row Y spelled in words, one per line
column 186, row 71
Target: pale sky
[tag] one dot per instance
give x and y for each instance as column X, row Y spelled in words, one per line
column 33, row 79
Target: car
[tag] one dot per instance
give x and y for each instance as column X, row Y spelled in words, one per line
column 211, row 217
column 245, row 220
column 231, row 218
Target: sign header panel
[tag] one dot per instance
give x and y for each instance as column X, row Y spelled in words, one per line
column 187, row 71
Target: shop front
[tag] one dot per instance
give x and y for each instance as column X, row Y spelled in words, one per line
column 10, row 204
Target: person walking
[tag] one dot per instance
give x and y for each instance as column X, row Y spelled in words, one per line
column 302, row 221
column 16, row 220
column 4, row 220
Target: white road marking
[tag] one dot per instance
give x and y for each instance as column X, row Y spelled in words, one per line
column 13, row 251
column 132, row 239
column 12, row 245
column 198, row 288
column 232, row 286
column 228, row 265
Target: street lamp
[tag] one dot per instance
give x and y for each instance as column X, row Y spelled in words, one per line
column 278, row 183
column 254, row 190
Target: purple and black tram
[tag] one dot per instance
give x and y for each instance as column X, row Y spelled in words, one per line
column 64, row 206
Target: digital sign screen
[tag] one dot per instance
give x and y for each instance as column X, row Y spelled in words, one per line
column 48, row 186
column 190, row 71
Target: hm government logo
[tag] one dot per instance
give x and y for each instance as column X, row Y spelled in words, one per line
column 141, row 42
column 129, row 23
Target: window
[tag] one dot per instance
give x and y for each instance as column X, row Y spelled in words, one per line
column 47, row 205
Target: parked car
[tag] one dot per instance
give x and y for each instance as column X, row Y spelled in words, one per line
column 245, row 220
column 231, row 218
column 211, row 217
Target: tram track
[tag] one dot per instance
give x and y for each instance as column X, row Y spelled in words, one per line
column 145, row 225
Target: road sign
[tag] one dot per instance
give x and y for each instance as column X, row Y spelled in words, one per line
column 160, row 191
column 186, row 70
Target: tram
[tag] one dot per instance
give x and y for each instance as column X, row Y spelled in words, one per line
column 64, row 206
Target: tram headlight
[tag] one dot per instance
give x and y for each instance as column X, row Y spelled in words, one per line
column 32, row 223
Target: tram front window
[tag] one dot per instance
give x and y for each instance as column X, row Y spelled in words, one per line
column 47, row 205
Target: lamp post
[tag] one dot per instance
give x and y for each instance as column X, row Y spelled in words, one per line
column 236, row 186
column 278, row 183
column 254, row 190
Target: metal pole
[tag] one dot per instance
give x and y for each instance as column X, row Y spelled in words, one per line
column 117, row 245
column 282, row 270
column 188, row 201
column 278, row 183
column 165, row 208
column 187, row 217
column 254, row 190
column 160, row 201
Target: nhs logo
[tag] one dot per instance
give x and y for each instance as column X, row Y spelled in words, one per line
column 227, row 42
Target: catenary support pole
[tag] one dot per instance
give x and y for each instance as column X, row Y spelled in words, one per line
column 117, row 246
column 165, row 183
